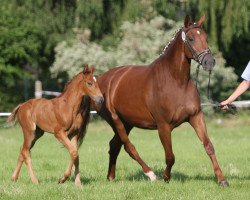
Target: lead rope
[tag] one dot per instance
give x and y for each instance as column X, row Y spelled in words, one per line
column 208, row 86
column 231, row 108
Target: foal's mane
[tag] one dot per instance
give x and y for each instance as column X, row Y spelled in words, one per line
column 173, row 38
column 68, row 83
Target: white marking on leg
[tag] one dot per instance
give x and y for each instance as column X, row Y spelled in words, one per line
column 151, row 176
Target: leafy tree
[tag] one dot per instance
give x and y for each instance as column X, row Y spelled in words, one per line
column 140, row 43
column 228, row 27
column 29, row 31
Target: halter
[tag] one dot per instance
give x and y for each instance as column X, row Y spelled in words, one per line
column 197, row 57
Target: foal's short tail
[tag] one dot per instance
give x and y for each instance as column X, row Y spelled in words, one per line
column 85, row 112
column 12, row 118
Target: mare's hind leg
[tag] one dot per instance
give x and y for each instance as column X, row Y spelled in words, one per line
column 165, row 137
column 61, row 136
column 114, row 150
column 130, row 148
column 199, row 125
column 30, row 138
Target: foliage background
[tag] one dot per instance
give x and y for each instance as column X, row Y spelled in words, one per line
column 50, row 40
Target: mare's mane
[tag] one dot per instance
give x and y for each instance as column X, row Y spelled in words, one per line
column 173, row 38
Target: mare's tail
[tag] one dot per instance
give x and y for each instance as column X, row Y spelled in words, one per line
column 85, row 112
column 12, row 118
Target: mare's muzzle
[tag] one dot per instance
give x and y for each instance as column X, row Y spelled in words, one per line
column 207, row 60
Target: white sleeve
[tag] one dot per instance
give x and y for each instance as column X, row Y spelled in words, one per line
column 246, row 74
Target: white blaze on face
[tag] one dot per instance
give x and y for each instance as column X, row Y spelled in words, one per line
column 94, row 78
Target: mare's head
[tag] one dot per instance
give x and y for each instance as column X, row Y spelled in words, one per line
column 90, row 85
column 195, row 40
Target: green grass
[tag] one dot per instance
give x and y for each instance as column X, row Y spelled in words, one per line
column 192, row 174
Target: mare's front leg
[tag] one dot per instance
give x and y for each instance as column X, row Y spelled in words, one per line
column 129, row 147
column 165, row 137
column 198, row 123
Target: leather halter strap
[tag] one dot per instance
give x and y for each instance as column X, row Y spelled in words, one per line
column 198, row 57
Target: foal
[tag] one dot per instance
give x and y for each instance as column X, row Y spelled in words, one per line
column 65, row 116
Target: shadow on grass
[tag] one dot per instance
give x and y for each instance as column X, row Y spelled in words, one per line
column 139, row 176
column 54, row 179
column 181, row 177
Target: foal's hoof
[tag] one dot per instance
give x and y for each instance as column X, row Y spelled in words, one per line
column 14, row 179
column 224, row 183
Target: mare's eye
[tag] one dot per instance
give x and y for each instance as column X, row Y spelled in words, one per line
column 190, row 39
column 89, row 83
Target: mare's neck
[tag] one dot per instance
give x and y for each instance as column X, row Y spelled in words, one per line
column 174, row 62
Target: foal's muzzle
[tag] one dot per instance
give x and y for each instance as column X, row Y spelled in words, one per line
column 98, row 99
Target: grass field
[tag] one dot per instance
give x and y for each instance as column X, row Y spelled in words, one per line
column 192, row 174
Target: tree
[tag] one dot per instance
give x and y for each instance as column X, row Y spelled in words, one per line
column 29, row 31
column 228, row 24
column 140, row 43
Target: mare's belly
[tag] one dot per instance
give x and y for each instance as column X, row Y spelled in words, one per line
column 137, row 117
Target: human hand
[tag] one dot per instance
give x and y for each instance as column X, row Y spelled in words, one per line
column 224, row 105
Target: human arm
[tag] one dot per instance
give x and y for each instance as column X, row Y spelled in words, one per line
column 242, row 87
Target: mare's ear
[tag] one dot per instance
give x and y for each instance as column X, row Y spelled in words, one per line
column 86, row 70
column 187, row 21
column 201, row 20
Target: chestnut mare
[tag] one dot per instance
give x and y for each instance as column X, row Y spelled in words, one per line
column 159, row 96
column 66, row 116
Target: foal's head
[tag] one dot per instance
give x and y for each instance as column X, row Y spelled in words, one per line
column 90, row 86
column 196, row 46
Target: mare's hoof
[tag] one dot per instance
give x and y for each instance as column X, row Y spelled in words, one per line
column 110, row 178
column 151, row 175
column 224, row 183
column 166, row 178
column 61, row 180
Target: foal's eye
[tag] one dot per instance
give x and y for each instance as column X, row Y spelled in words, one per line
column 89, row 83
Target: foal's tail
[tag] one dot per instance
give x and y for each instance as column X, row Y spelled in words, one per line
column 12, row 118
column 85, row 112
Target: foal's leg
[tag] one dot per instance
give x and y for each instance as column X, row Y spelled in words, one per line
column 130, row 148
column 199, row 125
column 165, row 136
column 76, row 163
column 115, row 146
column 61, row 136
column 29, row 140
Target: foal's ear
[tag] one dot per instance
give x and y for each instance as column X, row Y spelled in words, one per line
column 187, row 21
column 86, row 70
column 92, row 69
column 201, row 20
